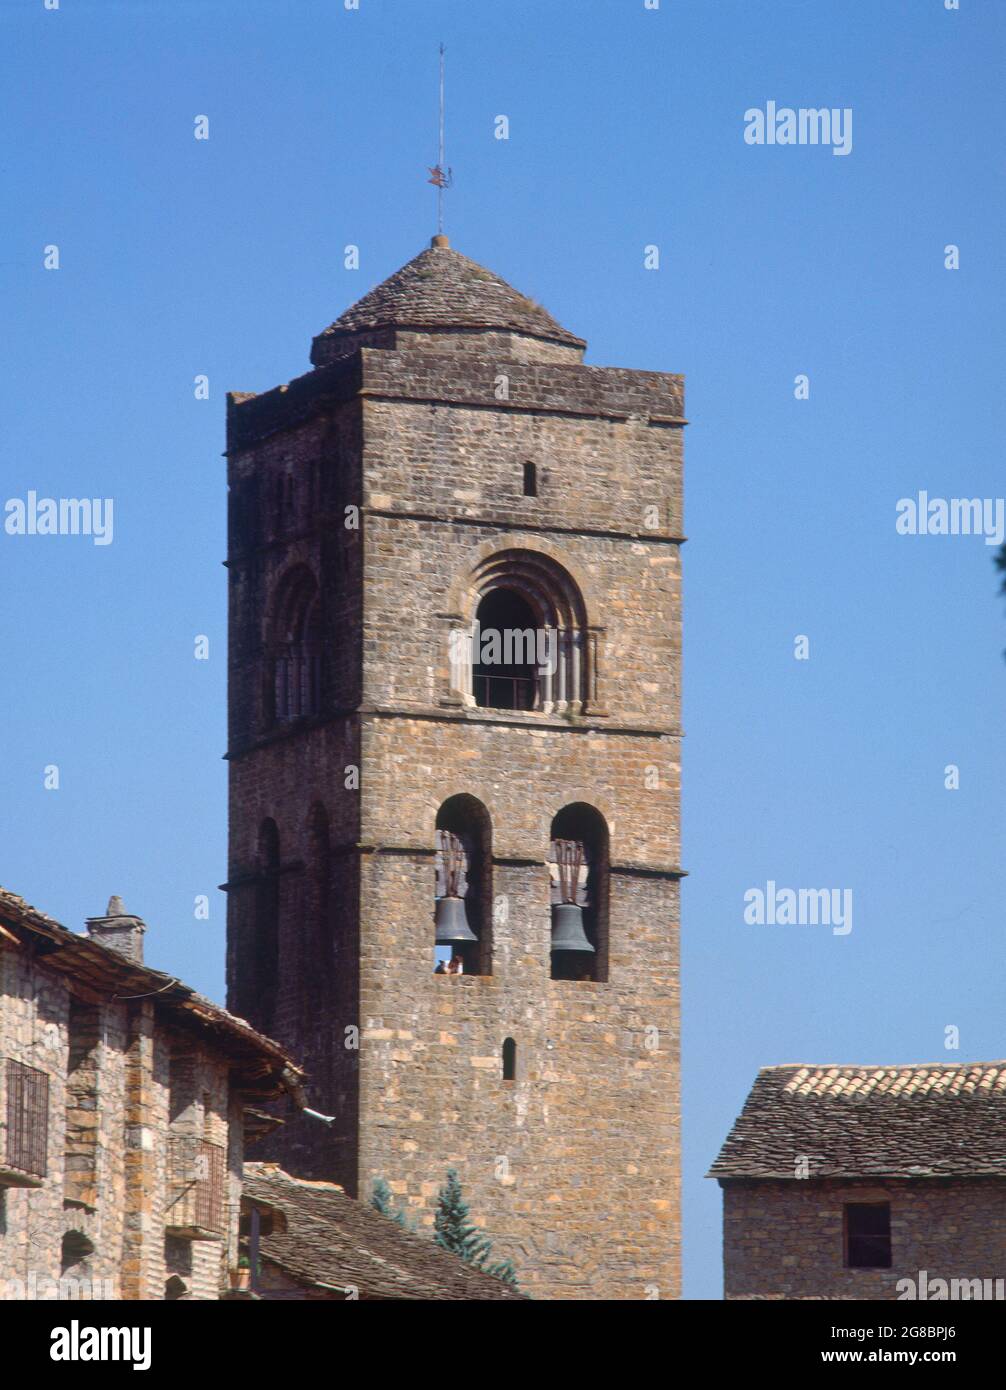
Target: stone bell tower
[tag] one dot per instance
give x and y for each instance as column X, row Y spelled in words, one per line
column 454, row 693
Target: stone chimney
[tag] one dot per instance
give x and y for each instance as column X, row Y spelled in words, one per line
column 119, row 931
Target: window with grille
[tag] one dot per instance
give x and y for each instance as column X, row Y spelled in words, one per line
column 196, row 1171
column 27, row 1119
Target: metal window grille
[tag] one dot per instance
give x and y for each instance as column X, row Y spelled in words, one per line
column 197, row 1170
column 27, row 1118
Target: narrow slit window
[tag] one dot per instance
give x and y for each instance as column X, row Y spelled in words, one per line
column 530, row 480
column 509, row 1060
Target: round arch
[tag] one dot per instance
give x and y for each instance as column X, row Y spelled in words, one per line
column 546, row 659
column 581, row 826
column 463, row 867
column 292, row 678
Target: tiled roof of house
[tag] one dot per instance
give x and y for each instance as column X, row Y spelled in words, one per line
column 261, row 1066
column 930, row 1120
column 442, row 289
column 333, row 1243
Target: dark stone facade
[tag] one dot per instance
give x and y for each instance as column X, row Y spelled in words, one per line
column 416, row 435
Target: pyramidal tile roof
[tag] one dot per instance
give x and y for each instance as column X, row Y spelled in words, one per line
column 441, row 289
column 928, row 1120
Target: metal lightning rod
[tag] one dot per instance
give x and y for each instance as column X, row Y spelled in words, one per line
column 440, row 175
column 440, row 156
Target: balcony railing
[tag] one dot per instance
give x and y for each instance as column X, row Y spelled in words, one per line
column 505, row 692
column 196, row 1172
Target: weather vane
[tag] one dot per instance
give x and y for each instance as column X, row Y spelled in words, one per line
column 440, row 175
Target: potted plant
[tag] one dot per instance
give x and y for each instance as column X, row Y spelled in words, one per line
column 241, row 1277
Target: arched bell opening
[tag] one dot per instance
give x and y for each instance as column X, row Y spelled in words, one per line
column 462, row 911
column 579, row 884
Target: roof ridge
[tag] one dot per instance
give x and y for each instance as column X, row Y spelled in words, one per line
column 876, row 1066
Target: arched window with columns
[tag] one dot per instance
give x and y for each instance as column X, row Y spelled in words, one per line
column 294, row 667
column 530, row 647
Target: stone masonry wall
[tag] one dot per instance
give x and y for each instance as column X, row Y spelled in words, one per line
column 573, row 1167
column 34, row 1017
column 109, row 1125
column 785, row 1239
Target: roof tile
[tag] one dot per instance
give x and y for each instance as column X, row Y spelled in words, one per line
column 333, row 1242
column 928, row 1120
column 441, row 289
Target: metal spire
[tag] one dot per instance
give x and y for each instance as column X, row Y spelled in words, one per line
column 440, row 175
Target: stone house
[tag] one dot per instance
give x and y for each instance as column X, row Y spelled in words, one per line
column 309, row 1240
column 867, row 1183
column 450, row 466
column 124, row 1101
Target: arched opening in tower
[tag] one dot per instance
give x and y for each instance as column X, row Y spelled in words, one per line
column 463, row 888
column 579, row 871
column 505, row 669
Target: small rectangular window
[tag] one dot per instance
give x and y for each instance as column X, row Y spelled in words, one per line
column 530, row 480
column 868, row 1235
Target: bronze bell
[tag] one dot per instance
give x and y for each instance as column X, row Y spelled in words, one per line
column 452, row 922
column 567, row 928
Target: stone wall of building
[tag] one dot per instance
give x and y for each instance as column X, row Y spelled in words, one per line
column 572, row 1167
column 785, row 1239
column 33, row 1031
column 112, row 1114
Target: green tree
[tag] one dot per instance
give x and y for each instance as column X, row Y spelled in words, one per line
column 504, row 1270
column 381, row 1200
column 380, row 1197
column 455, row 1232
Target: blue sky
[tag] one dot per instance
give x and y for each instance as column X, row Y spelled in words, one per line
column 224, row 257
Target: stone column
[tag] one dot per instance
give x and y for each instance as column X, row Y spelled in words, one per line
column 143, row 1235
column 576, row 689
column 562, row 673
column 548, row 676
